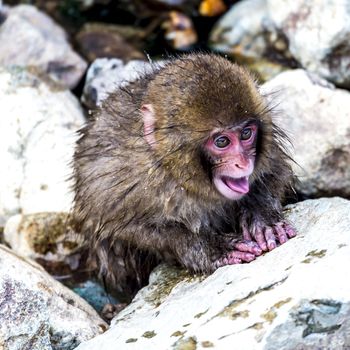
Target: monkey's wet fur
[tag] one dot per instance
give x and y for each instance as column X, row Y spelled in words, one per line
column 183, row 165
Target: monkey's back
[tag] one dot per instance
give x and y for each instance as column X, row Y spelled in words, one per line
column 121, row 189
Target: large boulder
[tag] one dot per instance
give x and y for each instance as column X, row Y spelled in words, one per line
column 318, row 35
column 294, row 297
column 316, row 116
column 38, row 124
column 242, row 35
column 28, row 37
column 311, row 34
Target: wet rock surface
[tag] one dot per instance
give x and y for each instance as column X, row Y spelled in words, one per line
column 293, row 297
column 47, row 238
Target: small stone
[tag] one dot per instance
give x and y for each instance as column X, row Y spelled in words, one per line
column 179, row 31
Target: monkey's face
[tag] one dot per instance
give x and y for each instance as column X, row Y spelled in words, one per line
column 231, row 153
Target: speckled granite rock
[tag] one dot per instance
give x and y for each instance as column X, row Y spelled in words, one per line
column 37, row 312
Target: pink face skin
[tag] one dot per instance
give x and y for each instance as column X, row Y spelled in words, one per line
column 233, row 153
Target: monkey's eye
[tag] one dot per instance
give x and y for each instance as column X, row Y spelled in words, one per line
column 222, row 142
column 246, row 134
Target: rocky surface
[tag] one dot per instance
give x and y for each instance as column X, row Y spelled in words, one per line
column 37, row 128
column 251, row 38
column 290, row 32
column 239, row 34
column 105, row 75
column 47, row 238
column 29, row 37
column 318, row 40
column 317, row 118
column 38, row 313
column 295, row 297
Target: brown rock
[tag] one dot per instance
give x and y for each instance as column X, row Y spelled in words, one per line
column 179, row 31
column 98, row 40
column 46, row 238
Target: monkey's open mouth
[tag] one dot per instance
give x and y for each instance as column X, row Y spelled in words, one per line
column 230, row 187
column 240, row 185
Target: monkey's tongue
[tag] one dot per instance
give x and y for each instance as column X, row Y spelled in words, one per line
column 240, row 185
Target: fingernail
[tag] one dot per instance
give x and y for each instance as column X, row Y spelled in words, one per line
column 272, row 245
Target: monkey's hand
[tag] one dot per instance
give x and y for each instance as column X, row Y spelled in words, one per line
column 268, row 236
column 243, row 251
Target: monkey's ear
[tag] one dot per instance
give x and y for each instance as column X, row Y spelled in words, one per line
column 148, row 124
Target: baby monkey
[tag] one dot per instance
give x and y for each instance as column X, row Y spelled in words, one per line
column 185, row 164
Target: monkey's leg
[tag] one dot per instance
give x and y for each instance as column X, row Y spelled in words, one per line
column 267, row 236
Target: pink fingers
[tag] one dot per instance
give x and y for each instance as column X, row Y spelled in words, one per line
column 249, row 247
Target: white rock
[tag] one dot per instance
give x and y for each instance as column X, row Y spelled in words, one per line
column 28, row 37
column 311, row 34
column 318, row 32
column 37, row 132
column 295, row 297
column 105, row 75
column 37, row 312
column 317, row 118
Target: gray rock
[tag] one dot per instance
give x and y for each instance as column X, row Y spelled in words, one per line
column 107, row 74
column 239, row 33
column 37, row 132
column 247, row 32
column 29, row 37
column 294, row 297
column 37, row 312
column 318, row 39
column 317, row 118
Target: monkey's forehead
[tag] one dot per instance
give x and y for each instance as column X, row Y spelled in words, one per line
column 206, row 87
column 206, row 68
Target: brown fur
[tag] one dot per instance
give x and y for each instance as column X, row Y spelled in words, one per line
column 137, row 205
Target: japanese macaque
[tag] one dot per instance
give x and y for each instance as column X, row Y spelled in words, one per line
column 184, row 165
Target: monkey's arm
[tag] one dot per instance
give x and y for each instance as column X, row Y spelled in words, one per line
column 199, row 252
